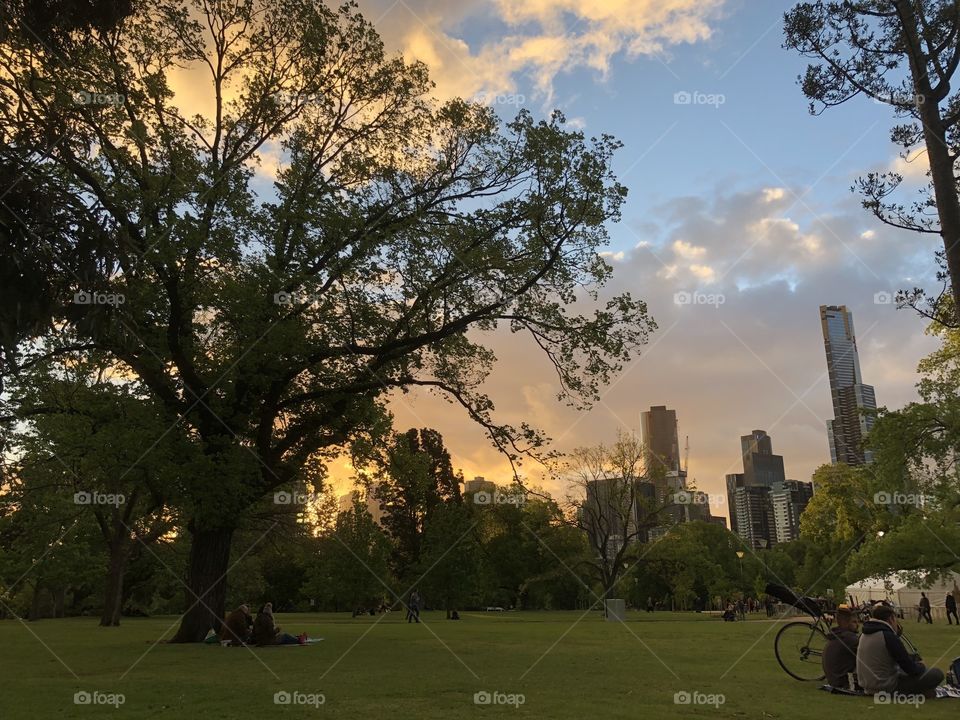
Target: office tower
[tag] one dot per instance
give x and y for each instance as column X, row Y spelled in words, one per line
column 789, row 500
column 658, row 431
column 760, row 465
column 693, row 505
column 749, row 494
column 615, row 512
column 479, row 484
column 849, row 395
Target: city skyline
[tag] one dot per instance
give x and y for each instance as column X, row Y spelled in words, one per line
column 687, row 425
column 733, row 244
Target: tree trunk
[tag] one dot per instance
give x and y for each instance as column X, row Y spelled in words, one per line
column 59, row 601
column 113, row 590
column 938, row 152
column 206, row 595
column 35, row 602
column 945, row 192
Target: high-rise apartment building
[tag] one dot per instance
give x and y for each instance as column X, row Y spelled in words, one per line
column 789, row 500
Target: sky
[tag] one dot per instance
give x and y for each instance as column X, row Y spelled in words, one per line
column 739, row 202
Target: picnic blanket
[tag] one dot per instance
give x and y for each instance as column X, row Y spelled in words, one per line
column 943, row 691
column 214, row 640
column 311, row 641
column 841, row 691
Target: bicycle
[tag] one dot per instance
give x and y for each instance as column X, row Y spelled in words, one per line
column 799, row 644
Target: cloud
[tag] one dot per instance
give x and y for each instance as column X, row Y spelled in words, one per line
column 536, row 39
column 754, row 360
column 912, row 167
column 687, row 251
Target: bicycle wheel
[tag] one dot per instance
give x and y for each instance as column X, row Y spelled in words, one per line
column 799, row 648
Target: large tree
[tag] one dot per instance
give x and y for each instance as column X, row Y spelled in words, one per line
column 87, row 437
column 916, row 450
column 352, row 569
column 904, row 54
column 274, row 315
column 614, row 500
column 414, row 479
column 32, row 287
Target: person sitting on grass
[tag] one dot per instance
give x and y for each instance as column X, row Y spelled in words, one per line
column 265, row 632
column 840, row 653
column 236, row 627
column 730, row 614
column 883, row 663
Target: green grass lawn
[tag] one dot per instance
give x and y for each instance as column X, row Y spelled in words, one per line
column 565, row 666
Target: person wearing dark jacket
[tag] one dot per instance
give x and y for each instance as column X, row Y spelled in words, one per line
column 924, row 609
column 840, row 653
column 265, row 631
column 951, row 604
column 236, row 627
column 883, row 663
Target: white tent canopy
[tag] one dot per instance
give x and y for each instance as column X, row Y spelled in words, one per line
column 899, row 590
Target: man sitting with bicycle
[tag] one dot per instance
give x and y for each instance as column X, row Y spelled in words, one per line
column 840, row 653
column 883, row 663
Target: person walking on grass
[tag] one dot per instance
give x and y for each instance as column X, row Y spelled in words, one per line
column 413, row 608
column 951, row 604
column 925, row 609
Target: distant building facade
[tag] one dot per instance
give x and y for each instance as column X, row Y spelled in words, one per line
column 370, row 499
column 752, row 495
column 789, row 500
column 479, row 484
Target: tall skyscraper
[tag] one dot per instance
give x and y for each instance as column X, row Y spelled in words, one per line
column 658, row 430
column 749, row 494
column 760, row 465
column 849, row 395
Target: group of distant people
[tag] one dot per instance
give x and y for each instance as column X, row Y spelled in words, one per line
column 949, row 602
column 737, row 609
column 876, row 659
column 732, row 609
column 414, row 605
column 241, row 628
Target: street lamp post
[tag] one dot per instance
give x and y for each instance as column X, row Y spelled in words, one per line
column 740, row 557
